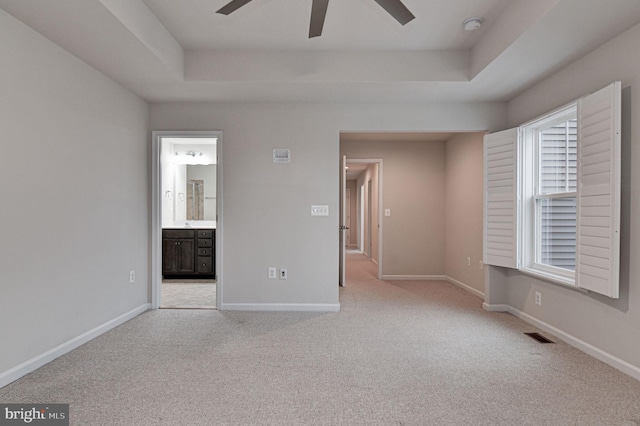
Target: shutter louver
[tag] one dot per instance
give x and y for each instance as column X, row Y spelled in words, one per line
column 598, row 203
column 500, row 212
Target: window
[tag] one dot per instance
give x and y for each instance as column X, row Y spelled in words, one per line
column 552, row 194
column 548, row 196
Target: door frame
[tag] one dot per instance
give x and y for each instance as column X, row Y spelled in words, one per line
column 156, row 210
column 342, row 261
column 347, row 241
column 379, row 162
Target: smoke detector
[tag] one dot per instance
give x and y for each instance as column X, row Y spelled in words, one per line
column 472, row 24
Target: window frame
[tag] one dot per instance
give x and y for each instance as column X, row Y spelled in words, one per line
column 529, row 193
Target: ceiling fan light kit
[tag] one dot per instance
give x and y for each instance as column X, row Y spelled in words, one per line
column 394, row 8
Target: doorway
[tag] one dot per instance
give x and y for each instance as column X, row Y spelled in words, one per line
column 186, row 220
column 366, row 177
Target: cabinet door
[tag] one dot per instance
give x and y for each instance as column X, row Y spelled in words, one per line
column 178, row 256
column 169, row 256
column 186, row 255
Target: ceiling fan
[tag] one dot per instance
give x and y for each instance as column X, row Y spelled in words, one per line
column 319, row 10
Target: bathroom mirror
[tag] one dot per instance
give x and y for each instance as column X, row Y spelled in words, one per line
column 189, row 195
column 200, row 192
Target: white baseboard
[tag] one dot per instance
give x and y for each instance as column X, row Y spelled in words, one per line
column 414, row 277
column 36, row 362
column 281, row 307
column 464, row 286
column 495, row 308
column 434, row 278
column 607, row 358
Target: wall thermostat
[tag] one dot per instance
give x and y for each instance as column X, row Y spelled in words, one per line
column 281, row 155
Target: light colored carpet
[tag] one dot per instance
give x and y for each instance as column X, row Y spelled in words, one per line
column 188, row 295
column 398, row 353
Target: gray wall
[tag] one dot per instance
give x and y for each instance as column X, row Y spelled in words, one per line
column 463, row 225
column 610, row 327
column 266, row 206
column 74, row 172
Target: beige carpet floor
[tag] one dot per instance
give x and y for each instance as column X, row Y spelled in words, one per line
column 398, row 353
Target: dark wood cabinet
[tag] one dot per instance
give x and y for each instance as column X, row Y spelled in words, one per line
column 188, row 253
column 177, row 256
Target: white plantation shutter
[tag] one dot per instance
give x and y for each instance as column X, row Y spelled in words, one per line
column 598, row 203
column 500, row 208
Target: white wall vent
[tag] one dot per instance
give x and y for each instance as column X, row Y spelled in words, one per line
column 281, row 155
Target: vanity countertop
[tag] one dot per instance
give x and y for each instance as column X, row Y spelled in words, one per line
column 190, row 227
column 200, row 224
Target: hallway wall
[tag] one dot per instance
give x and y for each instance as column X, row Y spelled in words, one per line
column 414, row 189
column 371, row 221
column 353, row 211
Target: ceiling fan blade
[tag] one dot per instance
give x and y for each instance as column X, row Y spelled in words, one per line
column 232, row 6
column 318, row 13
column 397, row 10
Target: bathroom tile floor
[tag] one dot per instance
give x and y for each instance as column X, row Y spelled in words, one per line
column 188, row 295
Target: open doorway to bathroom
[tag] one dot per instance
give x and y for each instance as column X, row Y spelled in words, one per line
column 186, row 225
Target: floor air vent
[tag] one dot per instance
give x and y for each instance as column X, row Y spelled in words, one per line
column 539, row 337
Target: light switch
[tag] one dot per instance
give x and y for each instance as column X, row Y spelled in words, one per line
column 387, row 212
column 319, row 210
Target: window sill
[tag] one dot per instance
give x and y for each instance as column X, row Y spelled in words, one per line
column 552, row 278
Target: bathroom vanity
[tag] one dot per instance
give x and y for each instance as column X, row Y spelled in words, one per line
column 188, row 253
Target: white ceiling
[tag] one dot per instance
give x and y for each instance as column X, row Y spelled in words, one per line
column 169, row 50
column 349, row 24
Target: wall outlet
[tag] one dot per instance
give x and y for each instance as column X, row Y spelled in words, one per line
column 480, row 265
column 468, row 261
column 273, row 272
column 132, row 277
column 283, row 274
column 538, row 298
